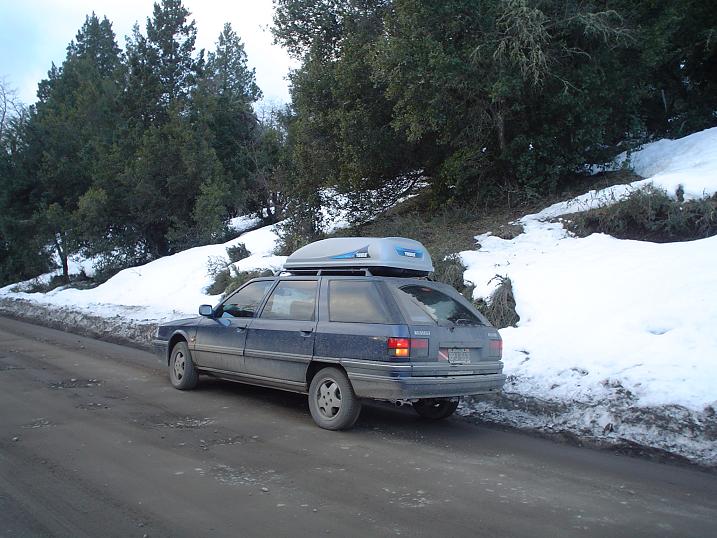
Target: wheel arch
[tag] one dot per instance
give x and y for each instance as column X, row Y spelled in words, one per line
column 178, row 336
column 316, row 366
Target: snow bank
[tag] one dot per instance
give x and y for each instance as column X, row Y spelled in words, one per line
column 690, row 163
column 604, row 320
column 170, row 287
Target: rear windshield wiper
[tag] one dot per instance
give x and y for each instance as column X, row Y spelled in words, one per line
column 464, row 321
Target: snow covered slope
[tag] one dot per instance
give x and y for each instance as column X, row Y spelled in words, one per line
column 617, row 339
column 609, row 324
column 167, row 288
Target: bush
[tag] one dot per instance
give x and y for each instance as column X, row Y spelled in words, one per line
column 237, row 252
column 221, row 282
column 449, row 270
column 230, row 279
column 500, row 306
column 80, row 281
column 650, row 214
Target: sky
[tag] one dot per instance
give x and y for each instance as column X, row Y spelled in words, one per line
column 35, row 33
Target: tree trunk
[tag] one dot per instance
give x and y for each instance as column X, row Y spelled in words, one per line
column 62, row 253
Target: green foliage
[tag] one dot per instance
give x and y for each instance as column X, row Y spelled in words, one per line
column 492, row 100
column 238, row 252
column 80, row 280
column 650, row 214
column 228, row 280
column 130, row 155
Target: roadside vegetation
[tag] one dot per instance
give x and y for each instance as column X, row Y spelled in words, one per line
column 650, row 214
column 134, row 153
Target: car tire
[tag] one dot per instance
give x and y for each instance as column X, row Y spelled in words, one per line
column 435, row 408
column 332, row 401
column 182, row 373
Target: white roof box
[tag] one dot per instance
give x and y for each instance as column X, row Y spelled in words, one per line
column 391, row 256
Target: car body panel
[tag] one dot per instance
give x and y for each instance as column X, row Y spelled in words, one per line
column 220, row 343
column 279, row 353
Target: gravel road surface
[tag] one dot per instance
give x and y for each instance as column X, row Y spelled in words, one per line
column 95, row 442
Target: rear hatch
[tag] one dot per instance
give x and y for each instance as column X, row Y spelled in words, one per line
column 449, row 337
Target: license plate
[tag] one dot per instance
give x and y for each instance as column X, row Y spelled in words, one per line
column 459, row 355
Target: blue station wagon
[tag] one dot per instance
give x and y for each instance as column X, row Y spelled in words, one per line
column 349, row 319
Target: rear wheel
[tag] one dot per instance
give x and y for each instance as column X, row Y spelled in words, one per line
column 435, row 408
column 182, row 372
column 332, row 401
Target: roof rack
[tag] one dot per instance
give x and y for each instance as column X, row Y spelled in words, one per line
column 331, row 271
column 376, row 256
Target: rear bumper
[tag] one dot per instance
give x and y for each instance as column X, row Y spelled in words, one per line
column 390, row 384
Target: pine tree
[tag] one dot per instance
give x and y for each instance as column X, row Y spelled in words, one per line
column 223, row 103
column 68, row 130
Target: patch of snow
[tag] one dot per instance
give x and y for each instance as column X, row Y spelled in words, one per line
column 170, row 287
column 603, row 319
column 243, row 223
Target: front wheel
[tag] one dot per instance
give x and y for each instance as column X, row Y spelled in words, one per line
column 182, row 372
column 332, row 401
column 435, row 408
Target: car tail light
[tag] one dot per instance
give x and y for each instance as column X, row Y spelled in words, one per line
column 419, row 347
column 496, row 348
column 405, row 347
column 399, row 347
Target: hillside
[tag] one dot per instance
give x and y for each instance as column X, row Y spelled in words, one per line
column 615, row 341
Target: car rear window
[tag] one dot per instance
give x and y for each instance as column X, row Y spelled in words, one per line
column 423, row 301
column 292, row 299
column 355, row 301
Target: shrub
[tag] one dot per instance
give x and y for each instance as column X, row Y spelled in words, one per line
column 237, row 252
column 449, row 270
column 500, row 306
column 230, row 279
column 80, row 281
column 221, row 282
column 650, row 214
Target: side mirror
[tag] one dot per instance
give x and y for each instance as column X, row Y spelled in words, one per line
column 206, row 310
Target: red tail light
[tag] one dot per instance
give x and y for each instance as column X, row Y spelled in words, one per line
column 496, row 348
column 403, row 347
column 399, row 347
column 419, row 343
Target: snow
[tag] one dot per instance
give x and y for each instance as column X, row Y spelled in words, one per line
column 243, row 223
column 167, row 288
column 614, row 336
column 603, row 318
column 689, row 163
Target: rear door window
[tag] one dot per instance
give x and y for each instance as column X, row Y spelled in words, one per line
column 243, row 303
column 356, row 301
column 424, row 303
column 292, row 299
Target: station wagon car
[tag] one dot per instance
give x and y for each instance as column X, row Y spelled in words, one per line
column 349, row 319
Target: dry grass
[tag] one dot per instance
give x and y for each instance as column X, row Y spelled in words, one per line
column 500, row 306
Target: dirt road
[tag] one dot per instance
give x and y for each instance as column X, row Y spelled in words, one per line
column 95, row 442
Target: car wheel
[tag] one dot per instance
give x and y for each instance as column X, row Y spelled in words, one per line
column 182, row 372
column 435, row 408
column 332, row 401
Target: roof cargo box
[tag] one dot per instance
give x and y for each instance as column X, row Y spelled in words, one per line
column 390, row 256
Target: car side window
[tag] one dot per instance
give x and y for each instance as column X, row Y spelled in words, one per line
column 243, row 304
column 292, row 299
column 355, row 301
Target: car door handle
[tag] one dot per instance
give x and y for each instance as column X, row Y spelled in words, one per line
column 306, row 332
column 241, row 329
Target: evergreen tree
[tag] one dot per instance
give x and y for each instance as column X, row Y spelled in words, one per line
column 223, row 102
column 68, row 130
